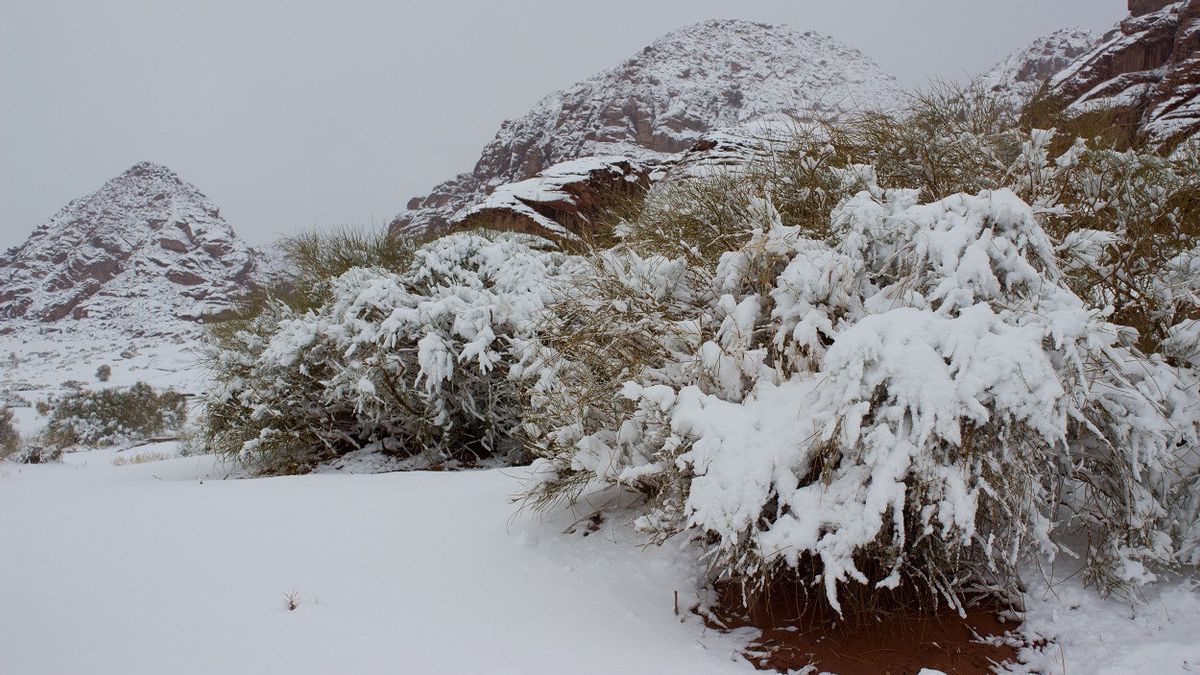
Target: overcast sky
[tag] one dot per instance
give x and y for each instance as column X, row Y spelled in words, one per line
column 298, row 114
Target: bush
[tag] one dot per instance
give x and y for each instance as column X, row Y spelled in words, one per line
column 113, row 416
column 10, row 439
column 918, row 393
column 314, row 260
column 32, row 453
column 413, row 364
column 103, row 373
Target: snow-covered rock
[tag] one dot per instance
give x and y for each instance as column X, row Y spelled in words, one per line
column 1023, row 72
column 1148, row 67
column 145, row 249
column 560, row 202
column 715, row 74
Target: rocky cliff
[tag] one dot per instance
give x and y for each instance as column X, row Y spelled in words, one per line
column 1148, row 68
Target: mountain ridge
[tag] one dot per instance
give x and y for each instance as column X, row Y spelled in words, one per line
column 660, row 101
column 146, row 245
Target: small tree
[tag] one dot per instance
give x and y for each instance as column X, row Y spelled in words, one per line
column 10, row 439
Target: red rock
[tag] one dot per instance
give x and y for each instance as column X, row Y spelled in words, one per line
column 1149, row 67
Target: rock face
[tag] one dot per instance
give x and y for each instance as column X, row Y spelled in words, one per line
column 1025, row 71
column 145, row 247
column 1149, row 68
column 561, row 202
column 661, row 101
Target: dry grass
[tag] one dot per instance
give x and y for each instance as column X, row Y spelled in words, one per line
column 139, row 458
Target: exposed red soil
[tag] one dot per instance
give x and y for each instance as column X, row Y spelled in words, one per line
column 891, row 642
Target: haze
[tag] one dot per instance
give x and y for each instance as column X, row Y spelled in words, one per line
column 298, row 115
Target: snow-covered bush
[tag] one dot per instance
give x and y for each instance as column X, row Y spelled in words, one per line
column 112, row 416
column 412, row 363
column 10, row 439
column 917, row 394
column 1127, row 218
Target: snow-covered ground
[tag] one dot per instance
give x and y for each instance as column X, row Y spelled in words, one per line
column 39, row 360
column 167, row 567
column 163, row 567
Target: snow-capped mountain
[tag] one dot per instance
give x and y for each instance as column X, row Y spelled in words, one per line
column 1022, row 73
column 660, row 101
column 145, row 248
column 1149, row 67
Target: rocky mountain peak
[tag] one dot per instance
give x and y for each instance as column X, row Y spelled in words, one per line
column 661, row 100
column 146, row 245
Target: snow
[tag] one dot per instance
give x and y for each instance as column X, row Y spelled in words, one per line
column 165, row 567
column 1157, row 633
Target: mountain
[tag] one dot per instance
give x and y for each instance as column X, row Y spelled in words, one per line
column 1148, row 68
column 1025, row 71
column 659, row 102
column 145, row 248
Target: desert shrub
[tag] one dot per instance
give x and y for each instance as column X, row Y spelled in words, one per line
column 412, row 363
column 923, row 395
column 33, row 452
column 113, row 416
column 10, row 438
column 312, row 261
column 946, row 377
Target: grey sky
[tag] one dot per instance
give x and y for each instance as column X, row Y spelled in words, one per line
column 295, row 114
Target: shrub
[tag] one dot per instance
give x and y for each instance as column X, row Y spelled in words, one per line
column 33, row 453
column 315, row 259
column 104, row 372
column 112, row 416
column 919, row 393
column 10, row 439
column 412, row 364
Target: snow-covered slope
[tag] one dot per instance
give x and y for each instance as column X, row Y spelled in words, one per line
column 659, row 102
column 1023, row 72
column 146, row 249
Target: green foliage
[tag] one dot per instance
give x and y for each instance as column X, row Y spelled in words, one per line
column 111, row 416
column 10, row 439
